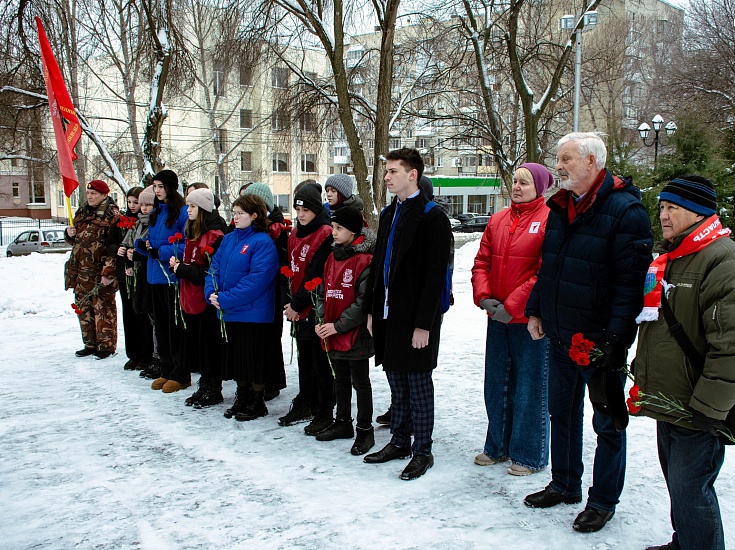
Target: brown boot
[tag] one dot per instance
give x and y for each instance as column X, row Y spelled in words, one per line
column 158, row 383
column 172, row 385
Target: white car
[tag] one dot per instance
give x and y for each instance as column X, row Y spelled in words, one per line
column 44, row 241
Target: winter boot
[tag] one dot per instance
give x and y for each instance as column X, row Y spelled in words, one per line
column 212, row 395
column 321, row 423
column 300, row 412
column 85, row 352
column 255, row 409
column 153, row 371
column 131, row 364
column 340, row 429
column 242, row 397
column 364, row 441
column 194, row 397
column 384, row 419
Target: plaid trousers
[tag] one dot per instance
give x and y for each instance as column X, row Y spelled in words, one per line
column 412, row 405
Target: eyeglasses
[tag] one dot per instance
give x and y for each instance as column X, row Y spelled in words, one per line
column 237, row 213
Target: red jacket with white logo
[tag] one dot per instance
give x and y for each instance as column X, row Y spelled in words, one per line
column 510, row 256
column 343, row 270
column 301, row 251
column 192, row 272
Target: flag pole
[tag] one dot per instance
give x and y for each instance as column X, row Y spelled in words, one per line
column 68, row 210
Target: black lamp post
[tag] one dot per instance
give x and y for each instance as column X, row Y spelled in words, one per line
column 644, row 129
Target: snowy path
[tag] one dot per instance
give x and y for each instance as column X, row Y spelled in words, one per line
column 92, row 458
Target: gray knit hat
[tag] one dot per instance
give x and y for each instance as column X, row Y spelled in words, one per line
column 147, row 196
column 342, row 183
column 203, row 198
column 263, row 191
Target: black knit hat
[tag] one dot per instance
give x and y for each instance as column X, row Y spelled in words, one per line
column 350, row 218
column 695, row 193
column 309, row 196
column 168, row 178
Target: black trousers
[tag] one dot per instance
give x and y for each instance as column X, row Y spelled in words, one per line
column 316, row 383
column 137, row 329
column 169, row 334
column 275, row 374
column 203, row 344
column 354, row 373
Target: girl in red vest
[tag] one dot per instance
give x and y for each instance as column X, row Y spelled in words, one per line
column 309, row 246
column 344, row 331
column 203, row 341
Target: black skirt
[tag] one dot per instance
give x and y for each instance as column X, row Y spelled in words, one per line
column 246, row 355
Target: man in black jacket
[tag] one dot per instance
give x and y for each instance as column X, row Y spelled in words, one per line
column 595, row 255
column 407, row 276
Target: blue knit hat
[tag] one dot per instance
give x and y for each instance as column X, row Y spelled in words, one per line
column 695, row 193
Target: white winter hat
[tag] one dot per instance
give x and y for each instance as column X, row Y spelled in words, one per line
column 203, row 198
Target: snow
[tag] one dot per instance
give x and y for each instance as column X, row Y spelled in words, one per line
column 93, row 458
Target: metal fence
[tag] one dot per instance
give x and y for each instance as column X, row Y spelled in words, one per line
column 10, row 228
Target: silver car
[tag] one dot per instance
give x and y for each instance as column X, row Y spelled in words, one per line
column 44, row 241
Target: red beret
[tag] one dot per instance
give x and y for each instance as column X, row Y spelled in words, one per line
column 99, row 186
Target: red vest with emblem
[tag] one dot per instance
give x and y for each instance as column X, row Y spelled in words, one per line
column 192, row 296
column 340, row 278
column 301, row 250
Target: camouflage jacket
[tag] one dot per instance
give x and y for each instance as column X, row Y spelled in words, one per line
column 89, row 260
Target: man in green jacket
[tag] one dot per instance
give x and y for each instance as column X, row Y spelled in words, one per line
column 695, row 268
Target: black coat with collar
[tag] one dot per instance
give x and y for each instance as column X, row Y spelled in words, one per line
column 417, row 275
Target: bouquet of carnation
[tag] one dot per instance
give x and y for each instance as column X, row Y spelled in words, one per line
column 209, row 252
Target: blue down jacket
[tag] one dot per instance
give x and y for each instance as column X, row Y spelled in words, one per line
column 245, row 267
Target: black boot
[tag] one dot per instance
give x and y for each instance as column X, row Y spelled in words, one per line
column 321, row 423
column 194, row 397
column 153, row 371
column 85, row 352
column 299, row 412
column 340, row 429
column 364, row 441
column 212, row 394
column 254, row 409
column 242, row 397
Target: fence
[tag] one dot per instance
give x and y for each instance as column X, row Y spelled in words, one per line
column 10, row 228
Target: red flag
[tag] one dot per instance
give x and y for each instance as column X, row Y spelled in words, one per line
column 66, row 123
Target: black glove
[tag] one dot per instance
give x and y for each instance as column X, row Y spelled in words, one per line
column 613, row 358
column 153, row 253
column 608, row 397
column 705, row 423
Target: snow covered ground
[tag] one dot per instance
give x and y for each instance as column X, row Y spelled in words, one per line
column 91, row 457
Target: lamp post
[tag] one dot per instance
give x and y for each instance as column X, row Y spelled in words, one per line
column 568, row 22
column 644, row 129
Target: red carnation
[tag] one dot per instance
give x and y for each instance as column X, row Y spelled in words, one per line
column 287, row 272
column 632, row 406
column 207, row 250
column 172, row 239
column 178, row 236
column 635, row 391
column 313, row 284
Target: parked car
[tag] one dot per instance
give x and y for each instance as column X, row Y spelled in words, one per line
column 38, row 240
column 475, row 225
column 454, row 222
column 464, row 218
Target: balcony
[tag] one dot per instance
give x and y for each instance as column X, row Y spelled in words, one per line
column 341, row 159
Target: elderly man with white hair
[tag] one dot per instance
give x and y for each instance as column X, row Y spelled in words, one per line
column 594, row 259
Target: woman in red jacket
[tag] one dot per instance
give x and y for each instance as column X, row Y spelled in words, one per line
column 516, row 366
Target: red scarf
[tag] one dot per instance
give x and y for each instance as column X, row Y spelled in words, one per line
column 710, row 230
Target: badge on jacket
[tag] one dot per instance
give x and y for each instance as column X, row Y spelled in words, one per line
column 534, row 227
column 244, row 249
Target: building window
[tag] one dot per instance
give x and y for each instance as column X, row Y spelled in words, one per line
column 246, row 74
column 308, row 163
column 340, row 151
column 73, row 199
column 60, row 197
column 114, row 196
column 307, row 122
column 221, row 141
column 279, row 120
column 477, row 204
column 439, row 161
column 455, row 204
column 14, row 163
column 16, row 190
column 370, row 161
column 284, row 203
column 279, row 77
column 36, row 192
column 491, row 205
column 246, row 161
column 246, row 118
column 395, row 143
column 280, row 162
column 218, row 79
column 423, row 143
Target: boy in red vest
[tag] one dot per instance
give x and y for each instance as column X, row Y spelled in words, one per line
column 344, row 331
column 309, row 246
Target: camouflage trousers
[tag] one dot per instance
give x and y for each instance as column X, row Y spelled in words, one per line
column 98, row 319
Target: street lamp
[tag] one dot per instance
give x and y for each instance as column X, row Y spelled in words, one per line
column 568, row 22
column 644, row 129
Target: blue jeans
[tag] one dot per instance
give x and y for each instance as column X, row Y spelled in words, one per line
column 516, row 395
column 690, row 461
column 567, row 383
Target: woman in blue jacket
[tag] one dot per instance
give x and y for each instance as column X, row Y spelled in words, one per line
column 241, row 285
column 168, row 218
